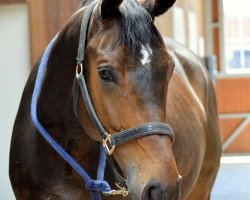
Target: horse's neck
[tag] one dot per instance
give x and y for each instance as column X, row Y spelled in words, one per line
column 55, row 106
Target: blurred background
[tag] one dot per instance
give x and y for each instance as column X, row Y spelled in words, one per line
column 217, row 30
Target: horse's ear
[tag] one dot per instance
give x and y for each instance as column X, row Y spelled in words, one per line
column 110, row 8
column 158, row 7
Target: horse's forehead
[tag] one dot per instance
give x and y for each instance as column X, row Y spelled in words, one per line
column 145, row 57
column 109, row 46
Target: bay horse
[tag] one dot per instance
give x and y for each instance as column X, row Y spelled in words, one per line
column 133, row 77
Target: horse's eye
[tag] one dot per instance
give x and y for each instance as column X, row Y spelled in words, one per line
column 106, row 74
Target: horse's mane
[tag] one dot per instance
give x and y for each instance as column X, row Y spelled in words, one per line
column 136, row 23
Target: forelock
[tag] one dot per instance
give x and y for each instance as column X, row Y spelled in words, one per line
column 136, row 24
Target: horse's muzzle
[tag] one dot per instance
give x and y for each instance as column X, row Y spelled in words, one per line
column 157, row 191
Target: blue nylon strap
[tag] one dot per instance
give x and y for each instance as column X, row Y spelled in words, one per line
column 102, row 163
column 95, row 186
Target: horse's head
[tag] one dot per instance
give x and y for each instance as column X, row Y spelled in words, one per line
column 127, row 72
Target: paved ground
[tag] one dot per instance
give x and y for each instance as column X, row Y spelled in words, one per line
column 233, row 180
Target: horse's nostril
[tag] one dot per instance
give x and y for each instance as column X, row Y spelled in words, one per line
column 154, row 191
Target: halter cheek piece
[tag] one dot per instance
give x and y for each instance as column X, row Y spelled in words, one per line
column 109, row 141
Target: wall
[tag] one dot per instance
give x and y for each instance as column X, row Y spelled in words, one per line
column 26, row 29
column 233, row 97
column 46, row 19
column 14, row 68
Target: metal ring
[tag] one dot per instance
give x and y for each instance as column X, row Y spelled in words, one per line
column 121, row 191
column 107, row 144
column 79, row 70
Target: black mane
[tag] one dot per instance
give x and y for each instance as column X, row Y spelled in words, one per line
column 136, row 24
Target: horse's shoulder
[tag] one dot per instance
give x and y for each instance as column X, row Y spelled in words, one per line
column 189, row 68
column 186, row 59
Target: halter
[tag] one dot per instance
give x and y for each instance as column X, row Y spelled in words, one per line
column 109, row 141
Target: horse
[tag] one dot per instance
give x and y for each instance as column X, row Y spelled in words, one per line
column 134, row 77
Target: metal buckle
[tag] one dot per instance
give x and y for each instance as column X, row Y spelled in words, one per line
column 106, row 143
column 79, row 70
column 122, row 191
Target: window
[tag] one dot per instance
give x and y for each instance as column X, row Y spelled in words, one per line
column 237, row 36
